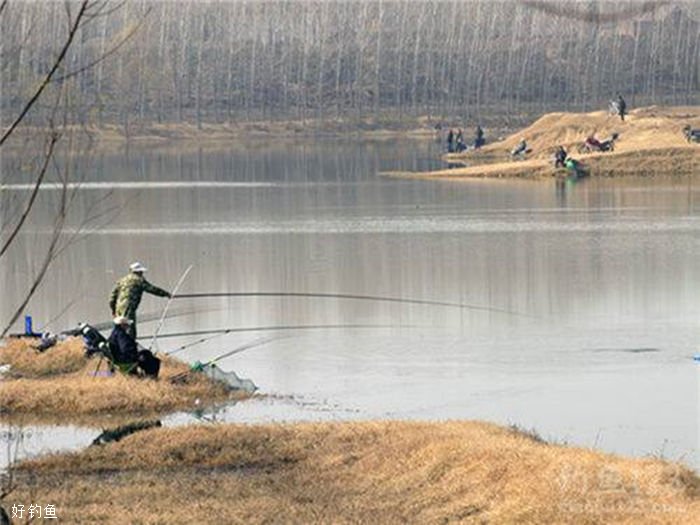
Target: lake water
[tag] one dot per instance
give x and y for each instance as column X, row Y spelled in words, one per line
column 587, row 294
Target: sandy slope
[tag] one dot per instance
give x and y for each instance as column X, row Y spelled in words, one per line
column 651, row 142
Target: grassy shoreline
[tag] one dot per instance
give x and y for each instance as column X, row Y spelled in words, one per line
column 341, row 472
column 378, row 472
column 60, row 385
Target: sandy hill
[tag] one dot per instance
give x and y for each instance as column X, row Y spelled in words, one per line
column 650, row 142
column 644, row 128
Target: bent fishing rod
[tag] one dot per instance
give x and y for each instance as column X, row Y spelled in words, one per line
column 378, row 298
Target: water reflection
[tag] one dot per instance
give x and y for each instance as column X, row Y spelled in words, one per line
column 112, row 435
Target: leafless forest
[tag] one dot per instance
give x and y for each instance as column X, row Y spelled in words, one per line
column 200, row 61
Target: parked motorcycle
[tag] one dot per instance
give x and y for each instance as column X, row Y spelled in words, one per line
column 593, row 145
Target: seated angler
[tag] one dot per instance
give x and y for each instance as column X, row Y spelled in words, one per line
column 126, row 351
column 520, row 150
column 560, row 157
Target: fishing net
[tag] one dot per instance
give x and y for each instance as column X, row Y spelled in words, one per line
column 230, row 379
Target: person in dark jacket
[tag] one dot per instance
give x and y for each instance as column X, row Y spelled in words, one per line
column 450, row 141
column 560, row 157
column 460, row 145
column 479, row 137
column 126, row 351
column 126, row 295
column 621, row 107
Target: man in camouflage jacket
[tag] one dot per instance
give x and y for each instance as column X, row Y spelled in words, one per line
column 126, row 296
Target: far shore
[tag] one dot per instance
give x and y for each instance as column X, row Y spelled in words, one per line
column 651, row 142
column 218, row 135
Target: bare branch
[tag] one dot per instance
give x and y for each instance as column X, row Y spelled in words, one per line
column 40, row 178
column 48, row 259
column 107, row 53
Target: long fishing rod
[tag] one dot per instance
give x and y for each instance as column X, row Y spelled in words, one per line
column 276, row 328
column 143, row 319
column 194, row 343
column 167, row 305
column 257, row 342
column 351, row 296
column 198, row 367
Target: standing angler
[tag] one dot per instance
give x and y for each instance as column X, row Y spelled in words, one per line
column 127, row 293
column 621, row 107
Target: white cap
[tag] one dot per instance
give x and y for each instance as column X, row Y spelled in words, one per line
column 137, row 267
column 120, row 319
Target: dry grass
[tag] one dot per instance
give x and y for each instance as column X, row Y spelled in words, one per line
column 60, row 383
column 374, row 472
column 651, row 143
column 29, row 363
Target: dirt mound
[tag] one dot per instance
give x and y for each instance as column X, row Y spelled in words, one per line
column 644, row 128
column 651, row 142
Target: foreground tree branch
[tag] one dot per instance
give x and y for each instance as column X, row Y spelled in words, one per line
column 54, row 138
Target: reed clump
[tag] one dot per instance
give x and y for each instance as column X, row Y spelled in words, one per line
column 372, row 472
column 61, row 382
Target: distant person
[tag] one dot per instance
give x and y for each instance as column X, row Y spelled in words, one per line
column 592, row 144
column 621, row 107
column 461, row 146
column 126, row 295
column 125, row 350
column 451, row 141
column 691, row 135
column 520, row 150
column 575, row 167
column 479, row 137
column 560, row 157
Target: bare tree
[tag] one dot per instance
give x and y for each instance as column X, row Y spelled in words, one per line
column 212, row 61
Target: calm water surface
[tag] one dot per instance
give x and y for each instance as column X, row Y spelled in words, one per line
column 601, row 279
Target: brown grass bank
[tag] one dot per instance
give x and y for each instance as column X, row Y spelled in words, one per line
column 651, row 143
column 372, row 472
column 60, row 383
